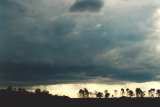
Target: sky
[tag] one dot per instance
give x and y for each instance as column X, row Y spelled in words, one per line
column 70, row 42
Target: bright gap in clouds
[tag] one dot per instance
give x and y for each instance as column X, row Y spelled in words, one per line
column 71, row 90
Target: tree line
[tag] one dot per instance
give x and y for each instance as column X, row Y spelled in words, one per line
column 82, row 93
column 11, row 92
column 139, row 93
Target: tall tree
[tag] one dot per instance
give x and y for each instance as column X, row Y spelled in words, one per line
column 127, row 90
column 86, row 93
column 151, row 92
column 158, row 93
column 122, row 92
column 106, row 94
column 81, row 93
column 140, row 93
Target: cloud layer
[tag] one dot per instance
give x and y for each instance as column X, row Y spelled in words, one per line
column 51, row 42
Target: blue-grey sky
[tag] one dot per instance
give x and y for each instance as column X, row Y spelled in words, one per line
column 73, row 41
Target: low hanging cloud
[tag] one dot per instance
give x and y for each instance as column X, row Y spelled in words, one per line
column 86, row 5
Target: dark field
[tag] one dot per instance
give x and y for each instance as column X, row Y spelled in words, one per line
column 67, row 102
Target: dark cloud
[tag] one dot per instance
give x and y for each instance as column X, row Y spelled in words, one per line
column 11, row 9
column 86, row 5
column 51, row 45
column 59, row 27
column 38, row 74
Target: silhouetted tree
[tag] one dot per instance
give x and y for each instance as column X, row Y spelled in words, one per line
column 130, row 93
column 127, row 90
column 86, row 93
column 151, row 92
column 37, row 91
column 122, row 92
column 10, row 89
column 21, row 90
column 139, row 93
column 99, row 95
column 158, row 93
column 45, row 92
column 81, row 93
column 106, row 94
column 23, row 93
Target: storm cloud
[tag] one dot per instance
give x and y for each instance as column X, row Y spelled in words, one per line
column 86, row 5
column 52, row 42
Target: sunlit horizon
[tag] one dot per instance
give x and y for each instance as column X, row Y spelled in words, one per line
column 71, row 90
